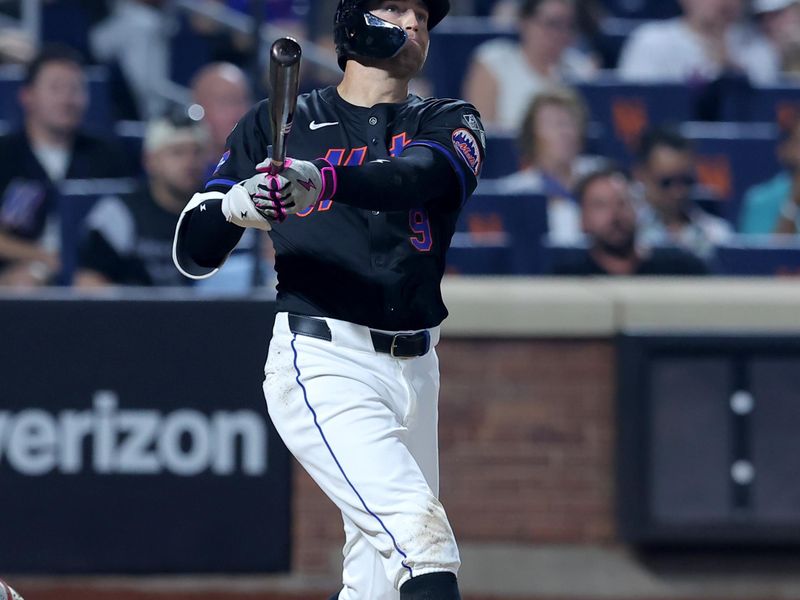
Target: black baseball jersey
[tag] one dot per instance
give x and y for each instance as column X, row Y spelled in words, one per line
column 375, row 267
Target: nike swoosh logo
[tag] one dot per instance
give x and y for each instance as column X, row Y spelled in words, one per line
column 313, row 126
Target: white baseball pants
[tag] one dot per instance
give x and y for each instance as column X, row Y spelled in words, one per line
column 364, row 426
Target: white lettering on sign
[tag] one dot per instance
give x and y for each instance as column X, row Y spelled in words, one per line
column 108, row 440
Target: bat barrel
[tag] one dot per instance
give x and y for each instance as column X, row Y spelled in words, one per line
column 284, row 78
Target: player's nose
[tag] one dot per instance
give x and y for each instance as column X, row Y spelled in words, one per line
column 410, row 20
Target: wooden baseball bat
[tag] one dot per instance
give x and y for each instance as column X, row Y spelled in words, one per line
column 284, row 78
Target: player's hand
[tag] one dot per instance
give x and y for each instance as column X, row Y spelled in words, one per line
column 239, row 208
column 299, row 185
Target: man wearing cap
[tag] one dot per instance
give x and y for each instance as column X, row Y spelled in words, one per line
column 128, row 239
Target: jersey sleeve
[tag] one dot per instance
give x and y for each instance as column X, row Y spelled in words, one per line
column 454, row 130
column 247, row 145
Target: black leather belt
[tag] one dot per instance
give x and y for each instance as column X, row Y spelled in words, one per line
column 400, row 345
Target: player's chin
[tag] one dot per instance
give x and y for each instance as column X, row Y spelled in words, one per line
column 409, row 61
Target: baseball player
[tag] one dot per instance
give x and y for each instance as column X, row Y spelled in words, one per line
column 361, row 218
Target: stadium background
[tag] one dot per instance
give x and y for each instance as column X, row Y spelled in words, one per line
column 599, row 437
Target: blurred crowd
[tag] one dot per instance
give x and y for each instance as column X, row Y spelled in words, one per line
column 180, row 75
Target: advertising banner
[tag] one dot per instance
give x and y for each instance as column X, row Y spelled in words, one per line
column 134, row 438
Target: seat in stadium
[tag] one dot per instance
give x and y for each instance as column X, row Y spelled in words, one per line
column 773, row 104
column 499, row 235
column 554, row 255
column 731, row 157
column 68, row 22
column 625, row 109
column 77, row 198
column 502, row 156
column 131, row 134
column 759, row 256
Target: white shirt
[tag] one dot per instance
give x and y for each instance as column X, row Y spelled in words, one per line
column 563, row 213
column 518, row 83
column 54, row 160
column 700, row 235
column 669, row 51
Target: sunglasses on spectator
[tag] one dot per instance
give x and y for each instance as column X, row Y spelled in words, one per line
column 670, row 181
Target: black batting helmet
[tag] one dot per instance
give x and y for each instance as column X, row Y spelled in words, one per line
column 358, row 32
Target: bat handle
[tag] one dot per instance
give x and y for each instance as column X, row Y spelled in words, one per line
column 277, row 165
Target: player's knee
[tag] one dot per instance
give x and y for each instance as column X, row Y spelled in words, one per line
column 431, row 586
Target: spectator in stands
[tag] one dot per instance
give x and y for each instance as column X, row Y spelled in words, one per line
column 50, row 147
column 550, row 141
column 708, row 41
column 608, row 219
column 774, row 206
column 136, row 38
column 780, row 22
column 668, row 214
column 504, row 76
column 223, row 92
column 129, row 238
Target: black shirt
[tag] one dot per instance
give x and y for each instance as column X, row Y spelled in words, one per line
column 657, row 262
column 373, row 267
column 28, row 196
column 129, row 241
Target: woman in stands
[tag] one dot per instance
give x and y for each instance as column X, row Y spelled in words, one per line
column 551, row 141
column 504, row 75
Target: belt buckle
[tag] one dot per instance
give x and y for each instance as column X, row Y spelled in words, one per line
column 393, row 346
column 405, row 336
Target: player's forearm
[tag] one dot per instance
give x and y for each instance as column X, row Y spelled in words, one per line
column 209, row 236
column 409, row 181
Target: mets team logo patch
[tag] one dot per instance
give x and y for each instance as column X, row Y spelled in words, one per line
column 467, row 147
column 222, row 160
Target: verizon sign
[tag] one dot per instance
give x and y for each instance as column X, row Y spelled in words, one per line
column 142, row 447
column 107, row 439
